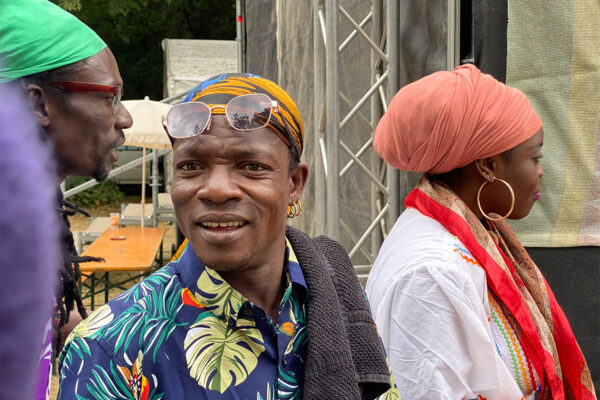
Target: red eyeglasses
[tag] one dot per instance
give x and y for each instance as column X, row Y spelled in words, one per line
column 116, row 91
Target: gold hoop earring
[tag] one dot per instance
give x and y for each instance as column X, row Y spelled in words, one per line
column 294, row 209
column 291, row 210
column 512, row 204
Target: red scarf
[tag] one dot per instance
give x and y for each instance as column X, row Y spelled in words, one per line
column 513, row 277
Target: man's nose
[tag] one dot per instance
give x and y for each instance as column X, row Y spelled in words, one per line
column 124, row 119
column 540, row 171
column 220, row 185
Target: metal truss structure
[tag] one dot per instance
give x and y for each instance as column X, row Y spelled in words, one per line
column 381, row 38
column 380, row 30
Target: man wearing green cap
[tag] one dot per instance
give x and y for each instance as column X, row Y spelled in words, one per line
column 74, row 88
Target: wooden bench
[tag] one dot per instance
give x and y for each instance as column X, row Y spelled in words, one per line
column 92, row 232
column 131, row 214
column 165, row 211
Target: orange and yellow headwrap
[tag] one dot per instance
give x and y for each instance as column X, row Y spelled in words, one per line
column 220, row 89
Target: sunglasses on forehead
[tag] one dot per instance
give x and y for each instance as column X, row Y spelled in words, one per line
column 244, row 113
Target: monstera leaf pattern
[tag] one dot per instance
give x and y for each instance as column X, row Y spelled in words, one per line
column 225, row 340
column 217, row 295
column 218, row 356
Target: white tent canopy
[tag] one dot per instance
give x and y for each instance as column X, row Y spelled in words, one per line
column 146, row 132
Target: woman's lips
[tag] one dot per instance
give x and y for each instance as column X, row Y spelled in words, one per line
column 537, row 195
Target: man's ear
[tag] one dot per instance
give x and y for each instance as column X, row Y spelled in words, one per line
column 298, row 179
column 37, row 100
column 486, row 168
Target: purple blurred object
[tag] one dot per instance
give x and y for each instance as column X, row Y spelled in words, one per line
column 29, row 252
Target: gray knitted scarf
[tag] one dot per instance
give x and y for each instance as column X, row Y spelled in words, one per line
column 345, row 357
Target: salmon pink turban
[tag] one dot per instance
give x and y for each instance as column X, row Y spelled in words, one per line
column 447, row 120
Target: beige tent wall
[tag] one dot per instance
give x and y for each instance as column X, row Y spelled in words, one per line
column 554, row 57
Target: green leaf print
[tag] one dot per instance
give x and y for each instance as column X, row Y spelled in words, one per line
column 111, row 385
column 217, row 356
column 107, row 385
column 145, row 287
column 287, row 386
column 298, row 319
column 151, row 320
column 78, row 347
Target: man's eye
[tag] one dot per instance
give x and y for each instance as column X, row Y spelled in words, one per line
column 189, row 166
column 253, row 167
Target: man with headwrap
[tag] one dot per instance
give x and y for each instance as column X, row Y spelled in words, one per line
column 252, row 309
column 463, row 311
column 74, row 88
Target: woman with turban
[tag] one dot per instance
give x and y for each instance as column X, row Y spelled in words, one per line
column 463, row 311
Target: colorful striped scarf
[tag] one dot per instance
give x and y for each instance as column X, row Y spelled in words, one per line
column 518, row 284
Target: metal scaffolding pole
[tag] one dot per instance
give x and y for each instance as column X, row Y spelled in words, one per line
column 453, row 43
column 379, row 31
column 320, row 203
column 393, row 33
column 238, row 36
column 377, row 68
column 332, row 104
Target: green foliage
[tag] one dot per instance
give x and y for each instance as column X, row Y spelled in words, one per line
column 106, row 192
column 134, row 29
column 70, row 5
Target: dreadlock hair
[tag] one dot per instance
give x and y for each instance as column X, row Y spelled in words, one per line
column 67, row 292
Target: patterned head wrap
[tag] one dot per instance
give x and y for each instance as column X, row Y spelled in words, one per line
column 449, row 119
column 37, row 36
column 220, row 89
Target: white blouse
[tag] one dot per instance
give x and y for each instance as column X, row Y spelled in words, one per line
column 430, row 301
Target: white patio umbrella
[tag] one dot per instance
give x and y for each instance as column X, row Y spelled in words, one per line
column 146, row 132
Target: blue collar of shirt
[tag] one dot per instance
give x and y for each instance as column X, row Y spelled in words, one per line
column 212, row 292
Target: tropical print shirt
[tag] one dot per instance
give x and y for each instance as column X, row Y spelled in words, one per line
column 184, row 332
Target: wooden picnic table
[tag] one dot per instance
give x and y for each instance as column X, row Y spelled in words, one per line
column 134, row 250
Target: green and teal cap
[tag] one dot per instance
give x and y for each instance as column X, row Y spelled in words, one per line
column 37, row 36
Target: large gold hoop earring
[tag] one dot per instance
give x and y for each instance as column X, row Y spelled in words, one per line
column 512, row 204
